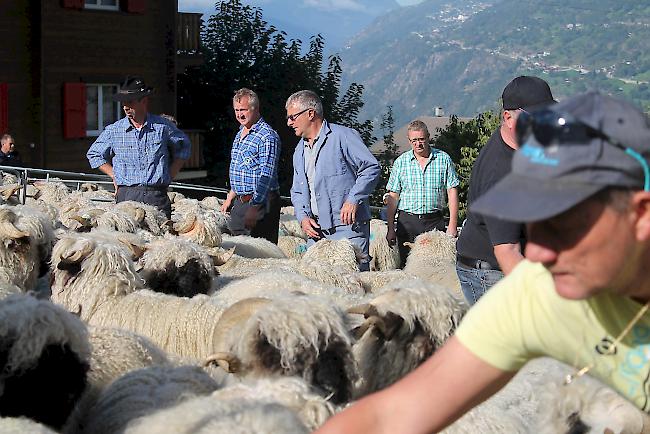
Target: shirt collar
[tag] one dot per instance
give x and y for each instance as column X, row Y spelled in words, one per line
column 324, row 127
column 256, row 126
column 127, row 125
column 432, row 154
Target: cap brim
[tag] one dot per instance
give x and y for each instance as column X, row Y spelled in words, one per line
column 523, row 199
column 131, row 96
column 539, row 105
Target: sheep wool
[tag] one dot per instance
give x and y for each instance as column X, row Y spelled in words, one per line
column 292, row 247
column 249, row 247
column 22, row 425
column 143, row 392
column 45, row 348
column 433, row 258
column 383, row 256
column 403, row 326
column 207, row 415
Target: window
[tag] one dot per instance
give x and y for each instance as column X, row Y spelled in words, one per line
column 112, row 5
column 101, row 110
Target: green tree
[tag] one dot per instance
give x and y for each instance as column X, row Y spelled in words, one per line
column 463, row 141
column 240, row 49
column 387, row 156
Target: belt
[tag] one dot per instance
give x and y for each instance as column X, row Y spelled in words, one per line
column 476, row 264
column 430, row 215
column 146, row 187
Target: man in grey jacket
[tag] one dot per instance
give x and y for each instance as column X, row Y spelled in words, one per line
column 334, row 174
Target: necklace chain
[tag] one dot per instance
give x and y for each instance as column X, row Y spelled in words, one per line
column 579, row 373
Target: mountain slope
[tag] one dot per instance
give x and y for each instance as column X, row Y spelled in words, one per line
column 460, row 55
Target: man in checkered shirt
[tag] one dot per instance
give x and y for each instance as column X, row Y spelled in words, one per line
column 419, row 180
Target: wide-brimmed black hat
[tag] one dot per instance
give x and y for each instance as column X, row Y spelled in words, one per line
column 133, row 88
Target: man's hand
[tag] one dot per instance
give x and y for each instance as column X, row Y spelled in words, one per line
column 309, row 225
column 115, row 186
column 225, row 206
column 452, row 231
column 391, row 237
column 251, row 216
column 348, row 213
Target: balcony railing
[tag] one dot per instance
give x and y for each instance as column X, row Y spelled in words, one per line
column 196, row 159
column 188, row 35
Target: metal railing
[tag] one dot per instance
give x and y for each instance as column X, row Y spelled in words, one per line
column 74, row 180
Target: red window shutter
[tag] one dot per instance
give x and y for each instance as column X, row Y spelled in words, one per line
column 73, row 4
column 74, row 110
column 136, row 6
column 4, row 108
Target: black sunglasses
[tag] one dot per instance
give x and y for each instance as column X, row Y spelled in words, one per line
column 553, row 128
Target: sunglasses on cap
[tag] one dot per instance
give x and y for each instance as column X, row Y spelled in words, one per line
column 553, row 128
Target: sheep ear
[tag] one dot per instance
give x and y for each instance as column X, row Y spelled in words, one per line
column 7, row 228
column 226, row 361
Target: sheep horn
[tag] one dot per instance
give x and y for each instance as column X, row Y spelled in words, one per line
column 7, row 228
column 186, row 225
column 373, row 321
column 169, row 224
column 78, row 255
column 360, row 310
column 139, row 215
column 136, row 250
column 9, row 191
column 408, row 244
column 84, row 221
column 219, row 256
column 226, row 361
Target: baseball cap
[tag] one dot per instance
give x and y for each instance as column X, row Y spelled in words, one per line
column 568, row 153
column 526, row 92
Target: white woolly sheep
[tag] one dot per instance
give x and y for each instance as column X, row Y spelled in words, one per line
column 114, row 353
column 374, row 281
column 292, row 335
column 142, row 392
column 207, row 415
column 270, row 284
column 587, row 406
column 52, row 192
column 211, row 202
column 249, row 247
column 433, row 258
column 149, row 217
column 22, row 425
column 383, row 256
column 403, row 326
column 289, row 226
column 100, row 280
column 44, row 355
column 292, row 247
column 27, row 238
column 199, row 224
column 288, row 210
column 177, row 266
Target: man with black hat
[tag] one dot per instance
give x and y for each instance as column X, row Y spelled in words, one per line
column 141, row 152
column 488, row 247
column 581, row 183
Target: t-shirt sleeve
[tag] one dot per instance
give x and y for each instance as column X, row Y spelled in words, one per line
column 497, row 328
column 503, row 232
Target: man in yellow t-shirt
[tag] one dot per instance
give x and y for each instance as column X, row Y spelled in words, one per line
column 581, row 183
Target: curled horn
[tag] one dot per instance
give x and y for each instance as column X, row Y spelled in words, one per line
column 84, row 221
column 136, row 250
column 226, row 361
column 9, row 191
column 220, row 257
column 186, row 225
column 78, row 255
column 373, row 321
column 408, row 244
column 7, row 228
column 362, row 309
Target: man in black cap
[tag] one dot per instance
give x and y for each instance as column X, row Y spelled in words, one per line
column 581, row 182
column 141, row 152
column 487, row 247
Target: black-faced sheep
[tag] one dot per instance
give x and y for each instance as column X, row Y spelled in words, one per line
column 297, row 335
column 44, row 355
column 403, row 326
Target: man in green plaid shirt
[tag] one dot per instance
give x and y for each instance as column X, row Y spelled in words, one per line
column 418, row 182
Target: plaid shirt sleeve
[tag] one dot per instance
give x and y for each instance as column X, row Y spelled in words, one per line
column 268, row 161
column 452, row 177
column 100, row 151
column 180, row 143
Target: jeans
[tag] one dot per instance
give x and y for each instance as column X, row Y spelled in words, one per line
column 474, row 282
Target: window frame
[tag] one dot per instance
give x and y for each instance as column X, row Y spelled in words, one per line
column 102, row 7
column 100, row 107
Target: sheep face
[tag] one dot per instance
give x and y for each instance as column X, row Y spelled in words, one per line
column 46, row 393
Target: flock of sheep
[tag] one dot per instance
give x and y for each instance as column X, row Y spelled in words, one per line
column 116, row 319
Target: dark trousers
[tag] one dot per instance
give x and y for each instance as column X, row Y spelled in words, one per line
column 267, row 226
column 410, row 226
column 151, row 195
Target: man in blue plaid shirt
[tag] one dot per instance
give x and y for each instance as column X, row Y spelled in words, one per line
column 253, row 200
column 418, row 183
column 141, row 152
